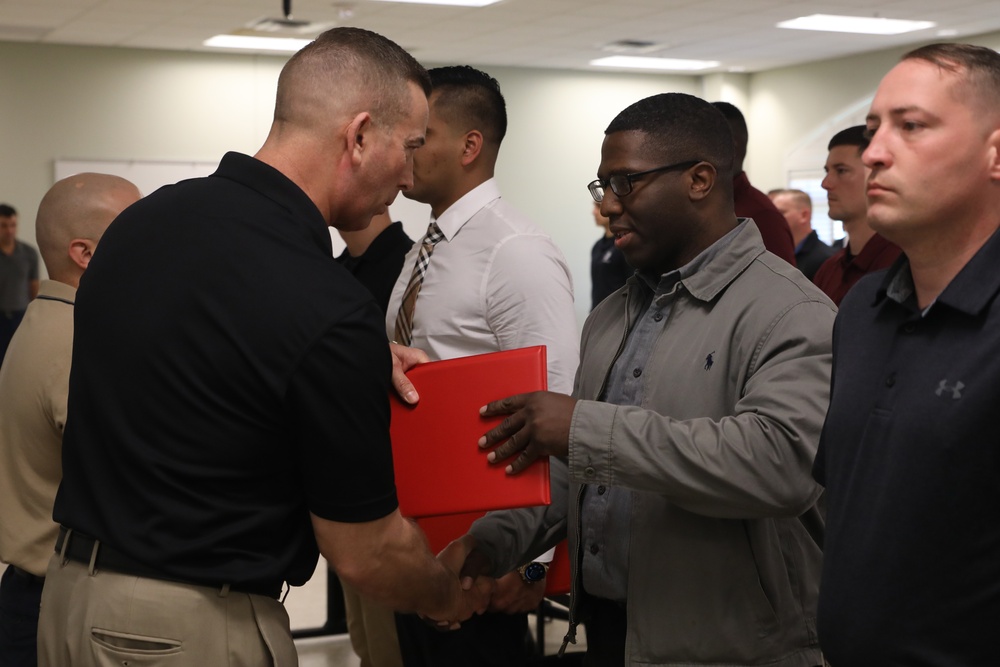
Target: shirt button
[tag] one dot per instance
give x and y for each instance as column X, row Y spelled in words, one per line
column 601, row 489
column 594, row 549
column 589, row 471
column 890, row 380
column 657, row 317
column 637, row 372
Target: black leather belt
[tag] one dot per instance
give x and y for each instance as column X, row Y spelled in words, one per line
column 80, row 548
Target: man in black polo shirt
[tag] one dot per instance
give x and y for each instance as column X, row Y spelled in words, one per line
column 228, row 402
column 910, row 453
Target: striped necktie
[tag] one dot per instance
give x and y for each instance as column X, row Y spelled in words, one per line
column 404, row 320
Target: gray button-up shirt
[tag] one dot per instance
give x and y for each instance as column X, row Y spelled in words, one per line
column 606, row 510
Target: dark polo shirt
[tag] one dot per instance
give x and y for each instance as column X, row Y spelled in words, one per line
column 379, row 266
column 910, row 457
column 228, row 378
column 810, row 255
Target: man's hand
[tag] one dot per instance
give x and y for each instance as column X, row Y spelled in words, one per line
column 513, row 595
column 470, row 567
column 537, row 425
column 403, row 359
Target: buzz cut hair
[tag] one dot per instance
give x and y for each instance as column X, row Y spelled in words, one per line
column 978, row 66
column 359, row 69
column 856, row 135
column 800, row 197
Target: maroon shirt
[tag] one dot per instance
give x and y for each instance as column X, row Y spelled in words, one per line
column 752, row 203
column 839, row 273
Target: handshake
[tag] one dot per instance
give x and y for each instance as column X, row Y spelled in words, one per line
column 473, row 590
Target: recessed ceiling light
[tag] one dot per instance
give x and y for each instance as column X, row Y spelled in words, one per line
column 456, row 3
column 257, row 43
column 647, row 62
column 864, row 25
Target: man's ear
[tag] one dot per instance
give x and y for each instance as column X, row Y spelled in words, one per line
column 993, row 141
column 703, row 177
column 81, row 251
column 472, row 148
column 359, row 136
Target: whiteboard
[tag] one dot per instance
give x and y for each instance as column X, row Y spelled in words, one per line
column 147, row 175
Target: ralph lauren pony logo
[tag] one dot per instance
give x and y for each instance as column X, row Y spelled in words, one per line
column 709, row 361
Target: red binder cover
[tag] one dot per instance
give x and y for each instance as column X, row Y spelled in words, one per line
column 439, row 469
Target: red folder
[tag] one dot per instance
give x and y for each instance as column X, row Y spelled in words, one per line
column 439, row 468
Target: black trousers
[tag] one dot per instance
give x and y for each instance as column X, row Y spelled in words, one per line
column 20, row 599
column 490, row 640
column 606, row 625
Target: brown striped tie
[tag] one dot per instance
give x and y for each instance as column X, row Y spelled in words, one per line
column 404, row 320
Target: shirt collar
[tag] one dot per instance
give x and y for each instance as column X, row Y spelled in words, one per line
column 268, row 182
column 467, row 206
column 703, row 276
column 970, row 292
column 864, row 260
column 59, row 291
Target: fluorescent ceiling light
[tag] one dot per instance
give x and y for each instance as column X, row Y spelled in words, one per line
column 647, row 62
column 457, row 3
column 256, row 43
column 863, row 25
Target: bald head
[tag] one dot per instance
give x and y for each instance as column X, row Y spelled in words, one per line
column 72, row 218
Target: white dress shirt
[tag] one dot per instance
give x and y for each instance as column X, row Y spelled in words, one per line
column 496, row 282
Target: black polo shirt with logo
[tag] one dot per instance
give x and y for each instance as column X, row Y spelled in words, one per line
column 910, row 457
column 229, row 377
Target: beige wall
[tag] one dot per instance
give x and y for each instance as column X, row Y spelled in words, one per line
column 118, row 104
column 100, row 103
column 789, row 105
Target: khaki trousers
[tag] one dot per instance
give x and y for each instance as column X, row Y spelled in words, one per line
column 106, row 619
column 372, row 628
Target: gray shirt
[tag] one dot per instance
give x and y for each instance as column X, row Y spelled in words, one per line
column 606, row 509
column 16, row 271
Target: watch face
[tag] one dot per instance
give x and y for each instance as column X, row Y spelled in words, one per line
column 534, row 572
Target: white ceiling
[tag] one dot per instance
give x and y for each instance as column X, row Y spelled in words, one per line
column 564, row 34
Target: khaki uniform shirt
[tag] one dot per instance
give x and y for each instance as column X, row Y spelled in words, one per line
column 34, row 383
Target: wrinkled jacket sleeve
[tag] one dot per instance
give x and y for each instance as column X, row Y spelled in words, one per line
column 513, row 537
column 756, row 462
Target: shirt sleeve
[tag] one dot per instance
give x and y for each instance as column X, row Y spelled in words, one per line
column 529, row 301
column 753, row 463
column 338, row 400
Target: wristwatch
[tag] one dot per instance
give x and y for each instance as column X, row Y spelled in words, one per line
column 533, row 572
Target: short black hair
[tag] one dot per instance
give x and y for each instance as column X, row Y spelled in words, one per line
column 680, row 127
column 470, row 99
column 7, row 211
column 856, row 135
column 738, row 126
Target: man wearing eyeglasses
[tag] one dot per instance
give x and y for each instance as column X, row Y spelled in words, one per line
column 692, row 426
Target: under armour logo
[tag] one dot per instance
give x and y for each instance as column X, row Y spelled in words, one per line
column 709, row 361
column 955, row 389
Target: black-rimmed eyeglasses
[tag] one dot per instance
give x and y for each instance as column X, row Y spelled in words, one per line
column 621, row 184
